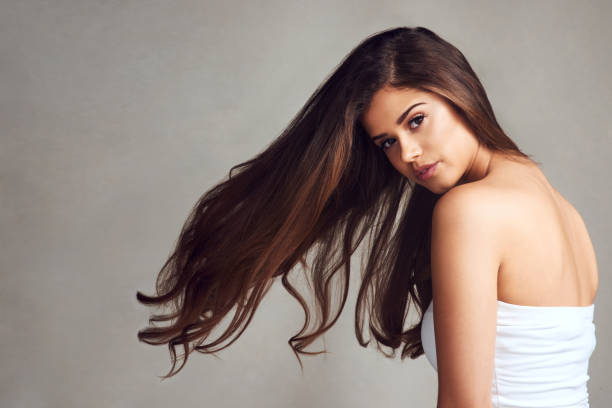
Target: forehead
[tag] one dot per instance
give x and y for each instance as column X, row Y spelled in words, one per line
column 388, row 103
column 389, row 98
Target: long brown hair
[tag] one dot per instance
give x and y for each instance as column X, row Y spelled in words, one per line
column 317, row 191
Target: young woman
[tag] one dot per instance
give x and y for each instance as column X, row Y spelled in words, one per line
column 400, row 144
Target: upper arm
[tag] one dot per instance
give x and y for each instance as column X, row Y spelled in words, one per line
column 465, row 259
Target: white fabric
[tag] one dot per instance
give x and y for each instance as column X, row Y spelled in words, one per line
column 541, row 355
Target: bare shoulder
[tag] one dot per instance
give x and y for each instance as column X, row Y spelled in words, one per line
column 472, row 212
column 465, row 261
column 479, row 200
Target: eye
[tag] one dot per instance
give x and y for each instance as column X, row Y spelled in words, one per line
column 417, row 119
column 382, row 145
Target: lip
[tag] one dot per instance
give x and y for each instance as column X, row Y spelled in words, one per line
column 424, row 167
column 427, row 171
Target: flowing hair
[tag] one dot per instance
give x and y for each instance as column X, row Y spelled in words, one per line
column 314, row 194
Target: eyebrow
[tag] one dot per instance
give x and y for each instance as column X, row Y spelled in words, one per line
column 399, row 120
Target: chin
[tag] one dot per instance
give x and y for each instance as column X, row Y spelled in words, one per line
column 437, row 189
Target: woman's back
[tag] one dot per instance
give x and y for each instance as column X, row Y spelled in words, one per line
column 547, row 282
column 549, row 259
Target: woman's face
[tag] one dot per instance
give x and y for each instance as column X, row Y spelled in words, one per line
column 415, row 128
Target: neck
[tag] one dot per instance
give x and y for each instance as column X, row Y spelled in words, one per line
column 479, row 166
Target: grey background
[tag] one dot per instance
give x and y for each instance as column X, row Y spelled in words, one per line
column 117, row 115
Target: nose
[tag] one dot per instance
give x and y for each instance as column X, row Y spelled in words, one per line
column 409, row 150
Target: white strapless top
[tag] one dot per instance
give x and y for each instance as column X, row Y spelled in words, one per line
column 541, row 355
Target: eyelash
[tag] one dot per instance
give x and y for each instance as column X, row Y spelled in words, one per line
column 419, row 116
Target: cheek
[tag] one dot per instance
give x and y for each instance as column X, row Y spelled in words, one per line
column 441, row 142
column 437, row 133
column 395, row 161
column 398, row 165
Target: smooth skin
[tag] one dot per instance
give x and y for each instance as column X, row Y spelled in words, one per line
column 499, row 231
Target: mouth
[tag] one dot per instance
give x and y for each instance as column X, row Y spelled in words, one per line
column 426, row 172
